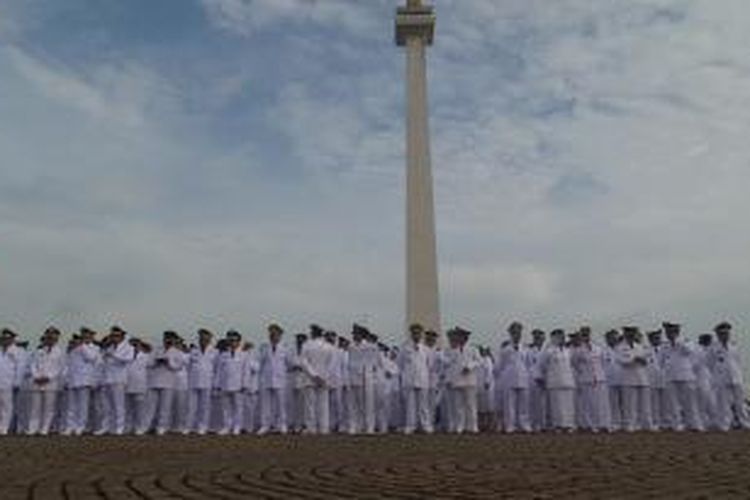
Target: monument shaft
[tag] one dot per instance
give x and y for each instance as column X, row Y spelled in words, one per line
column 414, row 30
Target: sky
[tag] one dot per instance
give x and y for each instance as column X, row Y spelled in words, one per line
column 177, row 164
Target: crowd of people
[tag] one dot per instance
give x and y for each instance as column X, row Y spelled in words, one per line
column 323, row 382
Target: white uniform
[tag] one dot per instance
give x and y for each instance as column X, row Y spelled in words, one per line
column 8, row 362
column 415, row 383
column 231, row 379
column 82, row 367
column 613, row 373
column 318, row 356
column 538, row 404
column 386, row 385
column 486, row 389
column 705, row 387
column 364, row 359
column 181, row 417
column 679, row 374
column 274, row 364
column 592, row 392
column 336, row 385
column 46, row 362
column 462, row 365
column 559, row 381
column 202, row 366
column 251, row 388
column 299, row 382
column 136, row 392
column 726, row 366
column 660, row 413
column 513, row 379
column 163, row 380
column 636, row 398
column 21, row 386
column 116, row 361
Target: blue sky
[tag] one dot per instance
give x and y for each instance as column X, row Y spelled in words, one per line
column 176, row 163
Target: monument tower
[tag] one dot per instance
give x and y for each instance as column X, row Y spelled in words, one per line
column 415, row 28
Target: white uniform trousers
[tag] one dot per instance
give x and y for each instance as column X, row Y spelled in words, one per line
column 464, row 417
column 683, row 406
column 162, row 401
column 234, row 406
column 181, row 411
column 417, row 410
column 707, row 404
column 115, row 409
column 636, row 408
column 78, row 409
column 273, row 410
column 199, row 410
column 516, row 409
column 43, row 405
column 336, row 405
column 362, row 406
column 730, row 403
column 316, row 410
column 136, row 411
column 660, row 407
column 6, row 410
column 538, row 408
column 562, row 408
column 616, row 407
column 250, row 413
column 593, row 407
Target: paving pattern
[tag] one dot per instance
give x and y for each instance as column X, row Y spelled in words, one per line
column 639, row 466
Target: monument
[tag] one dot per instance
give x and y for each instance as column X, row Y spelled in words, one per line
column 415, row 28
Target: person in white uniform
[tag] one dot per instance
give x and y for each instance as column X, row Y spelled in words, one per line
column 613, row 373
column 251, row 388
column 704, row 382
column 318, row 356
column 636, row 398
column 486, row 390
column 462, row 365
column 436, row 365
column 274, row 364
column 8, row 361
column 592, row 392
column 538, row 404
column 21, row 386
column 512, row 374
column 659, row 396
column 726, row 366
column 82, row 367
column 165, row 363
column 117, row 355
column 557, row 378
column 679, row 374
column 363, row 366
column 47, row 370
column 231, row 378
column 415, row 382
column 336, row 383
column 201, row 369
column 298, row 381
column 136, row 389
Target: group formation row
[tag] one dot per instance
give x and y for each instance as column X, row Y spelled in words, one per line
column 322, row 382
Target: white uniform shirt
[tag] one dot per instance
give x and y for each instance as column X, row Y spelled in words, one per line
column 588, row 364
column 726, row 364
column 364, row 360
column 49, row 363
column 164, row 367
column 612, row 368
column 338, row 376
column 23, row 368
column 202, row 367
column 82, row 365
column 116, row 361
column 633, row 374
column 319, row 358
column 274, row 364
column 459, row 359
column 251, row 379
column 655, row 368
column 677, row 361
column 138, row 374
column 512, row 367
column 555, row 367
column 232, row 370
column 8, row 362
column 412, row 364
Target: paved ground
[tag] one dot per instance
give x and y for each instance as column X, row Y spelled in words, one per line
column 488, row 466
